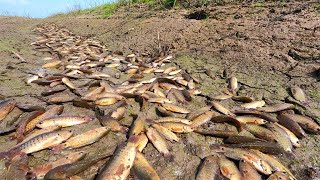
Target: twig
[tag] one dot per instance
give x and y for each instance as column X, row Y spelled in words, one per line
column 19, row 56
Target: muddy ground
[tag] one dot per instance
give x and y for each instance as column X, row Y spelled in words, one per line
column 268, row 47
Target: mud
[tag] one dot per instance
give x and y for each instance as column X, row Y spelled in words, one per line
column 268, row 47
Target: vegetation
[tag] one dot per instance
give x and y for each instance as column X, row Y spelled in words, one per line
column 108, row 9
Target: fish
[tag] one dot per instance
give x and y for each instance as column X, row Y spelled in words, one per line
column 56, row 110
column 253, row 104
column 41, row 170
column 222, row 97
column 170, row 69
column 203, row 118
column 17, row 168
column 119, row 113
column 20, row 131
column 71, row 169
column 179, row 95
column 253, row 159
column 61, row 98
column 106, row 101
column 121, row 162
column 158, row 142
column 6, row 107
column 233, row 84
column 217, row 133
column 163, row 112
column 141, row 142
column 221, row 108
column 277, row 107
column 92, row 95
column 177, row 127
column 287, row 121
column 251, row 120
column 260, row 132
column 298, row 94
column 229, row 169
column 176, row 109
column 173, row 119
column 40, row 142
column 52, row 64
column 68, row 83
column 38, row 132
column 64, row 121
column 142, row 169
column 159, row 100
column 257, row 114
column 53, row 90
column 282, row 138
column 242, row 139
column 166, row 133
column 293, row 138
column 244, row 99
column 110, row 122
column 198, row 112
column 138, row 126
column 32, row 78
column 209, row 169
column 247, row 171
column 279, row 175
column 273, row 162
column 86, row 138
column 305, row 122
column 267, row 147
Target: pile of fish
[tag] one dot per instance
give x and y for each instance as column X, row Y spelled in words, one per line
column 252, row 131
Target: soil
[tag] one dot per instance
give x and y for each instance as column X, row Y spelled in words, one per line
column 269, row 47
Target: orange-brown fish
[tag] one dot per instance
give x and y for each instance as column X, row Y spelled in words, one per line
column 68, row 83
column 40, row 142
column 40, row 171
column 22, row 125
column 137, row 127
column 6, row 107
column 142, row 169
column 166, row 133
column 86, row 138
column 173, row 119
column 253, row 104
column 120, row 164
column 106, row 101
column 273, row 162
column 248, row 171
column 174, row 108
column 142, row 141
column 158, row 142
column 209, row 169
column 221, row 108
column 203, row 118
column 250, row 157
column 64, row 121
column 229, row 169
column 177, row 127
column 48, row 114
column 279, row 176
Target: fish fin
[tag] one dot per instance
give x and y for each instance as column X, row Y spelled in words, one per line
column 57, row 147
